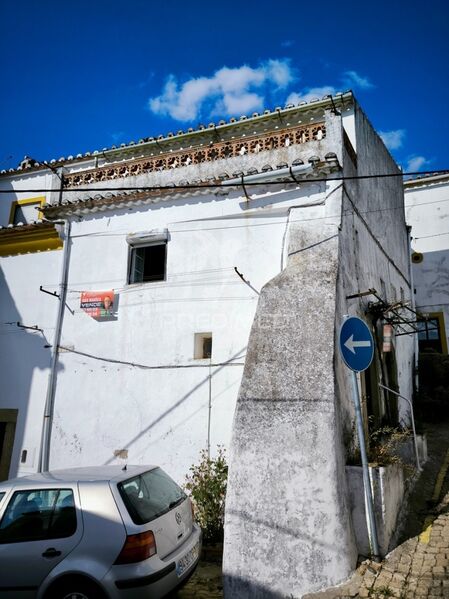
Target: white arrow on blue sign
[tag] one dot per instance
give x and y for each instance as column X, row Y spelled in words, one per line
column 356, row 344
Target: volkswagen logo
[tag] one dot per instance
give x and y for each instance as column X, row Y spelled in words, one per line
column 178, row 518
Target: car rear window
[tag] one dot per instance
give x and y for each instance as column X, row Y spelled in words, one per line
column 149, row 495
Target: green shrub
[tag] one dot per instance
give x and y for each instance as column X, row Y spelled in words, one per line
column 384, row 443
column 206, row 485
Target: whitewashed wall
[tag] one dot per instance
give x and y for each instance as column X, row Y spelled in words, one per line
column 24, row 359
column 426, row 202
column 374, row 247
column 162, row 416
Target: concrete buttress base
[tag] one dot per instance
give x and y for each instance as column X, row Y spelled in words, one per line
column 287, row 525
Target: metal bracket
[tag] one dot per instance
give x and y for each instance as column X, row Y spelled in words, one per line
column 362, row 294
column 49, row 292
column 33, row 328
column 216, row 135
column 293, row 176
column 334, row 108
column 245, row 281
column 244, row 190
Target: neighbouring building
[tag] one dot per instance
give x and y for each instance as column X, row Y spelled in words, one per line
column 211, row 260
column 426, row 202
column 426, row 209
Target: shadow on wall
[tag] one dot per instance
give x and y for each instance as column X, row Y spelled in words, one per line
column 21, row 352
column 249, row 589
column 180, row 401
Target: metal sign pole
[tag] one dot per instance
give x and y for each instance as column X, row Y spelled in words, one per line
column 357, row 350
column 369, row 503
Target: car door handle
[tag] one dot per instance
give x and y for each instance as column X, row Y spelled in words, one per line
column 51, row 552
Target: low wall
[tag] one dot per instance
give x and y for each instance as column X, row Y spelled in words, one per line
column 388, row 490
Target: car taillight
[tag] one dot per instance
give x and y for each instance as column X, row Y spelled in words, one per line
column 137, row 548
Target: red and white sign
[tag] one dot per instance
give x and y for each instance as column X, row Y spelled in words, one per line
column 387, row 338
column 98, row 304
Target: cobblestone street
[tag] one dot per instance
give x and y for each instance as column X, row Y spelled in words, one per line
column 417, row 569
column 205, row 583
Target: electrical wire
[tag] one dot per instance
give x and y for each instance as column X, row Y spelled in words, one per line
column 434, row 235
column 146, row 366
column 247, row 225
column 223, row 184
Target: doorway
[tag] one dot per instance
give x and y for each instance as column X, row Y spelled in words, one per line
column 8, row 420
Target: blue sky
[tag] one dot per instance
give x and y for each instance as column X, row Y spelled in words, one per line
column 85, row 75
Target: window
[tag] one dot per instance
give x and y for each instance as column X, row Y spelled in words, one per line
column 431, row 335
column 25, row 211
column 8, row 419
column 38, row 514
column 150, row 495
column 42, row 237
column 148, row 263
column 203, row 346
column 148, row 256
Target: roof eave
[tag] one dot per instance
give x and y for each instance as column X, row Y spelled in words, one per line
column 336, row 100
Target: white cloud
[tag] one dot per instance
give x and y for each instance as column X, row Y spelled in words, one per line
column 310, row 93
column 238, row 104
column 349, row 79
column 354, row 80
column 229, row 91
column 393, row 139
column 415, row 163
column 244, row 89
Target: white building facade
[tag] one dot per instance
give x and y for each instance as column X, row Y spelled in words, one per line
column 197, row 239
column 426, row 210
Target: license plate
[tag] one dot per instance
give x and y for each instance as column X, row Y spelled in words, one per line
column 188, row 560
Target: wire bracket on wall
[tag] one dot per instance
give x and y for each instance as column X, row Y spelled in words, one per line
column 244, row 190
column 31, row 328
column 293, row 176
column 334, row 108
column 49, row 292
column 398, row 314
column 245, row 281
column 216, row 134
column 362, row 294
column 72, row 312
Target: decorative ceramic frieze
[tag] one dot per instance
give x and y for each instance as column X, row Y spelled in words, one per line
column 216, row 151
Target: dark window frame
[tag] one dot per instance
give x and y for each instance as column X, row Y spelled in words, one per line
column 138, row 503
column 434, row 322
column 132, row 254
column 203, row 346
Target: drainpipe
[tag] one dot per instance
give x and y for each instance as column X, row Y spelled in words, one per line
column 209, row 408
column 413, row 306
column 51, row 388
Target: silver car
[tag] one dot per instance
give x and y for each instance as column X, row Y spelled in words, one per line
column 101, row 532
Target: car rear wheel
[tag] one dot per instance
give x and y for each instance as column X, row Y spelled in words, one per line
column 76, row 588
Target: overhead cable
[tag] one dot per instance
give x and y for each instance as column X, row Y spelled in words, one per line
column 223, row 184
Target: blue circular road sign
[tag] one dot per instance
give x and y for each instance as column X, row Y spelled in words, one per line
column 356, row 344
